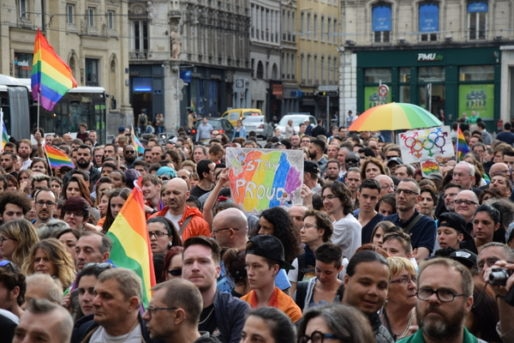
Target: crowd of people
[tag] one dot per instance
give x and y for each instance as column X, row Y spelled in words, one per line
column 377, row 252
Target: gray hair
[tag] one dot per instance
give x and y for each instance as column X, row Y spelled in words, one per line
column 65, row 324
column 129, row 282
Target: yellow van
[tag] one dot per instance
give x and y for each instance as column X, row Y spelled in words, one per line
column 234, row 114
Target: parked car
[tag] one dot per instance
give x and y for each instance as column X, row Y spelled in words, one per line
column 297, row 118
column 259, row 126
column 234, row 114
column 220, row 126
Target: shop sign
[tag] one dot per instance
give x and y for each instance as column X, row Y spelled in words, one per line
column 429, row 57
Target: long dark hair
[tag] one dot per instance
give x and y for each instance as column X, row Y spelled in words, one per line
column 283, row 230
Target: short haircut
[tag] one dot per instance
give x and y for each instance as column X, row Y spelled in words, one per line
column 329, row 253
column 399, row 264
column 203, row 167
column 370, row 184
column 401, row 237
column 206, row 242
column 43, row 306
column 323, row 222
column 106, row 244
column 467, row 278
column 320, row 143
column 52, row 287
column 11, row 277
column 129, row 282
column 184, row 294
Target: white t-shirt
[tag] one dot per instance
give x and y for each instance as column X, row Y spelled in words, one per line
column 101, row 336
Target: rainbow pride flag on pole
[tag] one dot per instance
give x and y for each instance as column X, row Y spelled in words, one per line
column 130, row 242
column 462, row 147
column 51, row 76
column 57, row 158
column 136, row 142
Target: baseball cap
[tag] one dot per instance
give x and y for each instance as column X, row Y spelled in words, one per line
column 453, row 220
column 394, row 160
column 464, row 256
column 310, row 167
column 269, row 247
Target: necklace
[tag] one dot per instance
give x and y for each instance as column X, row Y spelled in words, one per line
column 388, row 325
column 207, row 316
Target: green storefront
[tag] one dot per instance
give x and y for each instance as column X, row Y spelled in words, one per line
column 449, row 82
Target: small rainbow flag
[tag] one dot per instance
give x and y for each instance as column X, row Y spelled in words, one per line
column 130, row 242
column 51, row 76
column 57, row 158
column 136, row 142
column 5, row 135
column 462, row 146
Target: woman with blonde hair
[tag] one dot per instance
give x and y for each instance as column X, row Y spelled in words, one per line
column 16, row 239
column 50, row 256
column 398, row 314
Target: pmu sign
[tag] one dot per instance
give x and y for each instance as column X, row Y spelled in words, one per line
column 429, row 57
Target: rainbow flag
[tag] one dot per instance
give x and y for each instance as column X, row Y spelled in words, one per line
column 51, row 76
column 57, row 158
column 136, row 142
column 5, row 135
column 462, row 146
column 130, row 242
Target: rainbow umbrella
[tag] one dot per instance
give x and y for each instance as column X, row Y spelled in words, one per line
column 394, row 116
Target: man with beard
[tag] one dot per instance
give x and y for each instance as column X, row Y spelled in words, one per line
column 316, row 154
column 24, row 151
column 84, row 159
column 44, row 203
column 7, row 162
column 129, row 155
column 445, row 297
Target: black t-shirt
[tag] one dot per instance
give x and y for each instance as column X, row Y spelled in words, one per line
column 208, row 321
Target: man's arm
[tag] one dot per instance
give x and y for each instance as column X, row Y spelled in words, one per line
column 505, row 327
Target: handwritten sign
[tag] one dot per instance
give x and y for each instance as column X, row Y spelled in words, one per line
column 264, row 178
column 426, row 144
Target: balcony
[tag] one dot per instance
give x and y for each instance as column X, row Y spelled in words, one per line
column 139, row 55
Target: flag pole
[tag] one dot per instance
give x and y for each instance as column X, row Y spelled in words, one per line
column 38, row 109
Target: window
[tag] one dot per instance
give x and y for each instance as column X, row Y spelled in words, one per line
column 140, row 35
column 381, row 23
column 377, row 75
column 428, row 21
column 477, row 19
column 22, row 64
column 70, row 14
column 476, row 73
column 92, row 72
column 110, row 19
column 91, row 13
column 23, row 9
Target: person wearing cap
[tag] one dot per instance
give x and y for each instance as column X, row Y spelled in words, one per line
column 311, row 176
column 264, row 259
column 393, row 163
column 452, row 233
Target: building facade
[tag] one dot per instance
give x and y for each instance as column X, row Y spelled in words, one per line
column 88, row 35
column 452, row 57
column 188, row 55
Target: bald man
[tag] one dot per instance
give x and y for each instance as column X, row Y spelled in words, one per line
column 187, row 220
column 230, row 228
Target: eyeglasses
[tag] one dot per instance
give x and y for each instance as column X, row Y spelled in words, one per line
column 443, row 294
column 129, row 151
column 406, row 192
column 43, row 203
column 214, row 231
column 157, row 234
column 352, row 161
column 175, row 272
column 165, row 178
column 319, row 337
column 151, row 309
column 465, row 202
column 404, row 280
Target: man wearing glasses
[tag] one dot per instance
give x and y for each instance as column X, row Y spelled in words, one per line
column 422, row 229
column 44, row 201
column 174, row 312
column 445, row 297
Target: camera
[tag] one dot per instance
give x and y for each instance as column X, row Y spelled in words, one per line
column 499, row 276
